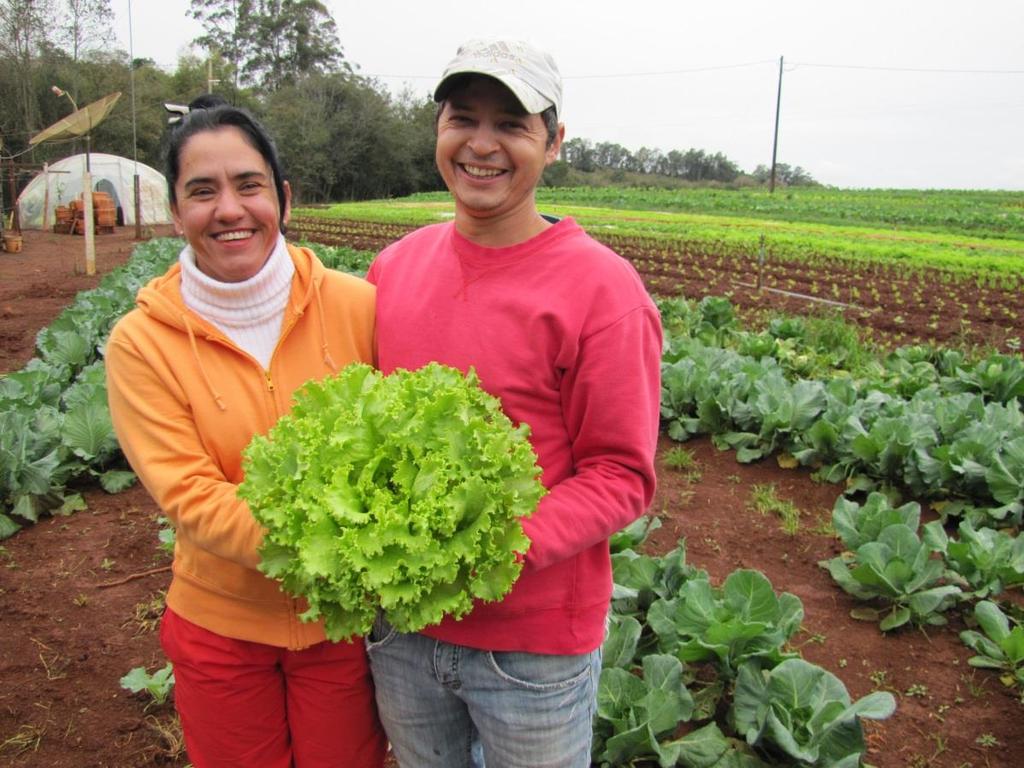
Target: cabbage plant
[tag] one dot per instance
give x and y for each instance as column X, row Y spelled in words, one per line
column 803, row 713
column 402, row 493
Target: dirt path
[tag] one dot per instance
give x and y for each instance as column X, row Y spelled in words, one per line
column 37, row 283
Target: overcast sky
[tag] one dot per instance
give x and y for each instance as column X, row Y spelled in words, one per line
column 876, row 93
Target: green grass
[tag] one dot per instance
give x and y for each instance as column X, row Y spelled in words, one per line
column 982, row 213
column 950, row 236
column 763, row 499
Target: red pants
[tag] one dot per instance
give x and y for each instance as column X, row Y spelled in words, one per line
column 251, row 705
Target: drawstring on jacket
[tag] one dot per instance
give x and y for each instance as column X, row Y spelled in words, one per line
column 199, row 362
column 328, row 360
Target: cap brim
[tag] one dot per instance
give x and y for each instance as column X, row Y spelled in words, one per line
column 530, row 99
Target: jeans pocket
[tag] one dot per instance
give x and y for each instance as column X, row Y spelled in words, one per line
column 541, row 672
column 381, row 633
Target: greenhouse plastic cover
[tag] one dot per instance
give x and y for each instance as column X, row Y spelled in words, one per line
column 111, row 174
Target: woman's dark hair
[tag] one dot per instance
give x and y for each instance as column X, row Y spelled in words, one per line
column 210, row 113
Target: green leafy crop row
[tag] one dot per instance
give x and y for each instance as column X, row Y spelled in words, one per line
column 927, row 420
column 992, row 254
column 55, row 428
column 713, row 662
column 921, row 422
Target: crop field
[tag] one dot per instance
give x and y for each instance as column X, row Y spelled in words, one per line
column 835, row 532
column 932, row 267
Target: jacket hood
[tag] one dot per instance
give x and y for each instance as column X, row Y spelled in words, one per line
column 161, row 300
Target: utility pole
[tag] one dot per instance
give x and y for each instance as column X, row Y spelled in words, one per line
column 210, row 80
column 136, row 191
column 775, row 141
column 2, row 225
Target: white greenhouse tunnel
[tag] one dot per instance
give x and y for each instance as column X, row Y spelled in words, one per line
column 61, row 183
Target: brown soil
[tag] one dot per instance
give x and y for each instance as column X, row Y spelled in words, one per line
column 80, row 595
column 43, row 278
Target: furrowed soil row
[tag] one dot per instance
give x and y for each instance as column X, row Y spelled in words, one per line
column 900, row 305
column 361, row 235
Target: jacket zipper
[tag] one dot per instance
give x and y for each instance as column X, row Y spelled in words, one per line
column 280, row 340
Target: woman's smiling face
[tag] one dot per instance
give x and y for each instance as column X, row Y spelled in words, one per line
column 226, row 205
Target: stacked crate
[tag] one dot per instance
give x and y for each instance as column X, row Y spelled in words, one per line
column 64, row 218
column 104, row 215
column 104, row 212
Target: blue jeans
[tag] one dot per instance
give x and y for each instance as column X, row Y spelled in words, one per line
column 448, row 706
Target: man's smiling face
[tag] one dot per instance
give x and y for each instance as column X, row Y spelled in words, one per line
column 490, row 152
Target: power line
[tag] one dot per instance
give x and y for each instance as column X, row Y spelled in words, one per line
column 606, row 76
column 712, row 68
column 687, row 71
column 33, row 147
column 795, row 64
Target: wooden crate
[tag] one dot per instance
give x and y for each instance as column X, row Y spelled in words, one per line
column 106, row 217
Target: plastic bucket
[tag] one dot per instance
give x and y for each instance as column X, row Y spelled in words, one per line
column 12, row 242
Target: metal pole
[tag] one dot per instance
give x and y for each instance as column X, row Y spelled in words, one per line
column 135, row 142
column 775, row 141
column 46, row 197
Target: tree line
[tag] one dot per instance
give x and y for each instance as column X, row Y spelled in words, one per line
column 692, row 165
column 341, row 135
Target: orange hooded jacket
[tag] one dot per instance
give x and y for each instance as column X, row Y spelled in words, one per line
column 185, row 401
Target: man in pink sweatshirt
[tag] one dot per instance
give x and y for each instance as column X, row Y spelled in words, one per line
column 559, row 328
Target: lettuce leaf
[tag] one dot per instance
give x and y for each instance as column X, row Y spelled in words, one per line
column 402, row 493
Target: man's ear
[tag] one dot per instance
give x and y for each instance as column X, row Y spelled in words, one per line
column 551, row 154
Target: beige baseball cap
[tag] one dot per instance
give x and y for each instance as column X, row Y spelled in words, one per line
column 531, row 74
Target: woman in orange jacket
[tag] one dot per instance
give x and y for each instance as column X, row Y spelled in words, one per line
column 208, row 359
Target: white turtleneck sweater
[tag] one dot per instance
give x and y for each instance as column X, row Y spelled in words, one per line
column 250, row 312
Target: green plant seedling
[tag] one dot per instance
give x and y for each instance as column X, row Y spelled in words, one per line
column 680, row 458
column 166, row 535
column 158, row 685
column 998, row 646
column 987, row 740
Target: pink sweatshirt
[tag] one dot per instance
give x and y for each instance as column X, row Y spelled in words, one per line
column 561, row 329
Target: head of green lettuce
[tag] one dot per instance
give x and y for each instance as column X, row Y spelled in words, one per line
column 402, row 493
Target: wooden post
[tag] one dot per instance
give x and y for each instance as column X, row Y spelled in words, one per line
column 12, row 192
column 760, row 264
column 90, row 229
column 2, row 225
